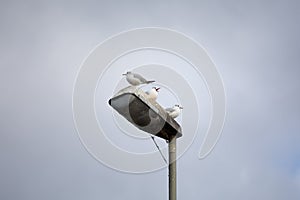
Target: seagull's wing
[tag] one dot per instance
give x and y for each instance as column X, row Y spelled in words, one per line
column 142, row 79
column 169, row 110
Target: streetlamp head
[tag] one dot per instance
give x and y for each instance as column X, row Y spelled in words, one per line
column 133, row 105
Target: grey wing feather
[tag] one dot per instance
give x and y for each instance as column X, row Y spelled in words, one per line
column 169, row 110
column 139, row 77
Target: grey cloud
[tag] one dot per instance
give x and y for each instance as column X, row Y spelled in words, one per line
column 255, row 46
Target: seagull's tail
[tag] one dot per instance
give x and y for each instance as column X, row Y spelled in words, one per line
column 150, row 82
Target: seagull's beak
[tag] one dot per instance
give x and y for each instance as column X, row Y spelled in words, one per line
column 180, row 107
column 157, row 89
column 123, row 74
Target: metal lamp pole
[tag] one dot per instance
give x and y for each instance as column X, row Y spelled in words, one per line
column 172, row 168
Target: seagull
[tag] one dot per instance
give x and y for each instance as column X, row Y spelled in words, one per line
column 153, row 93
column 136, row 79
column 174, row 111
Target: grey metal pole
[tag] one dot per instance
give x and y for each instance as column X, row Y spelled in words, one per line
column 172, row 168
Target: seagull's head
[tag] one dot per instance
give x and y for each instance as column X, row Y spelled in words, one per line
column 156, row 88
column 180, row 107
column 126, row 73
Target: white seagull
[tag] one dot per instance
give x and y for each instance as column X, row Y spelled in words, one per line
column 136, row 79
column 174, row 111
column 153, row 93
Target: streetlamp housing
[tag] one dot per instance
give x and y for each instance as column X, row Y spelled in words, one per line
column 145, row 114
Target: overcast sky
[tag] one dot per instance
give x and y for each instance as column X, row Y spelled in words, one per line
column 254, row 44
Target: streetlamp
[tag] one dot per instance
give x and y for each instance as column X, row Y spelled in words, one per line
column 147, row 115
